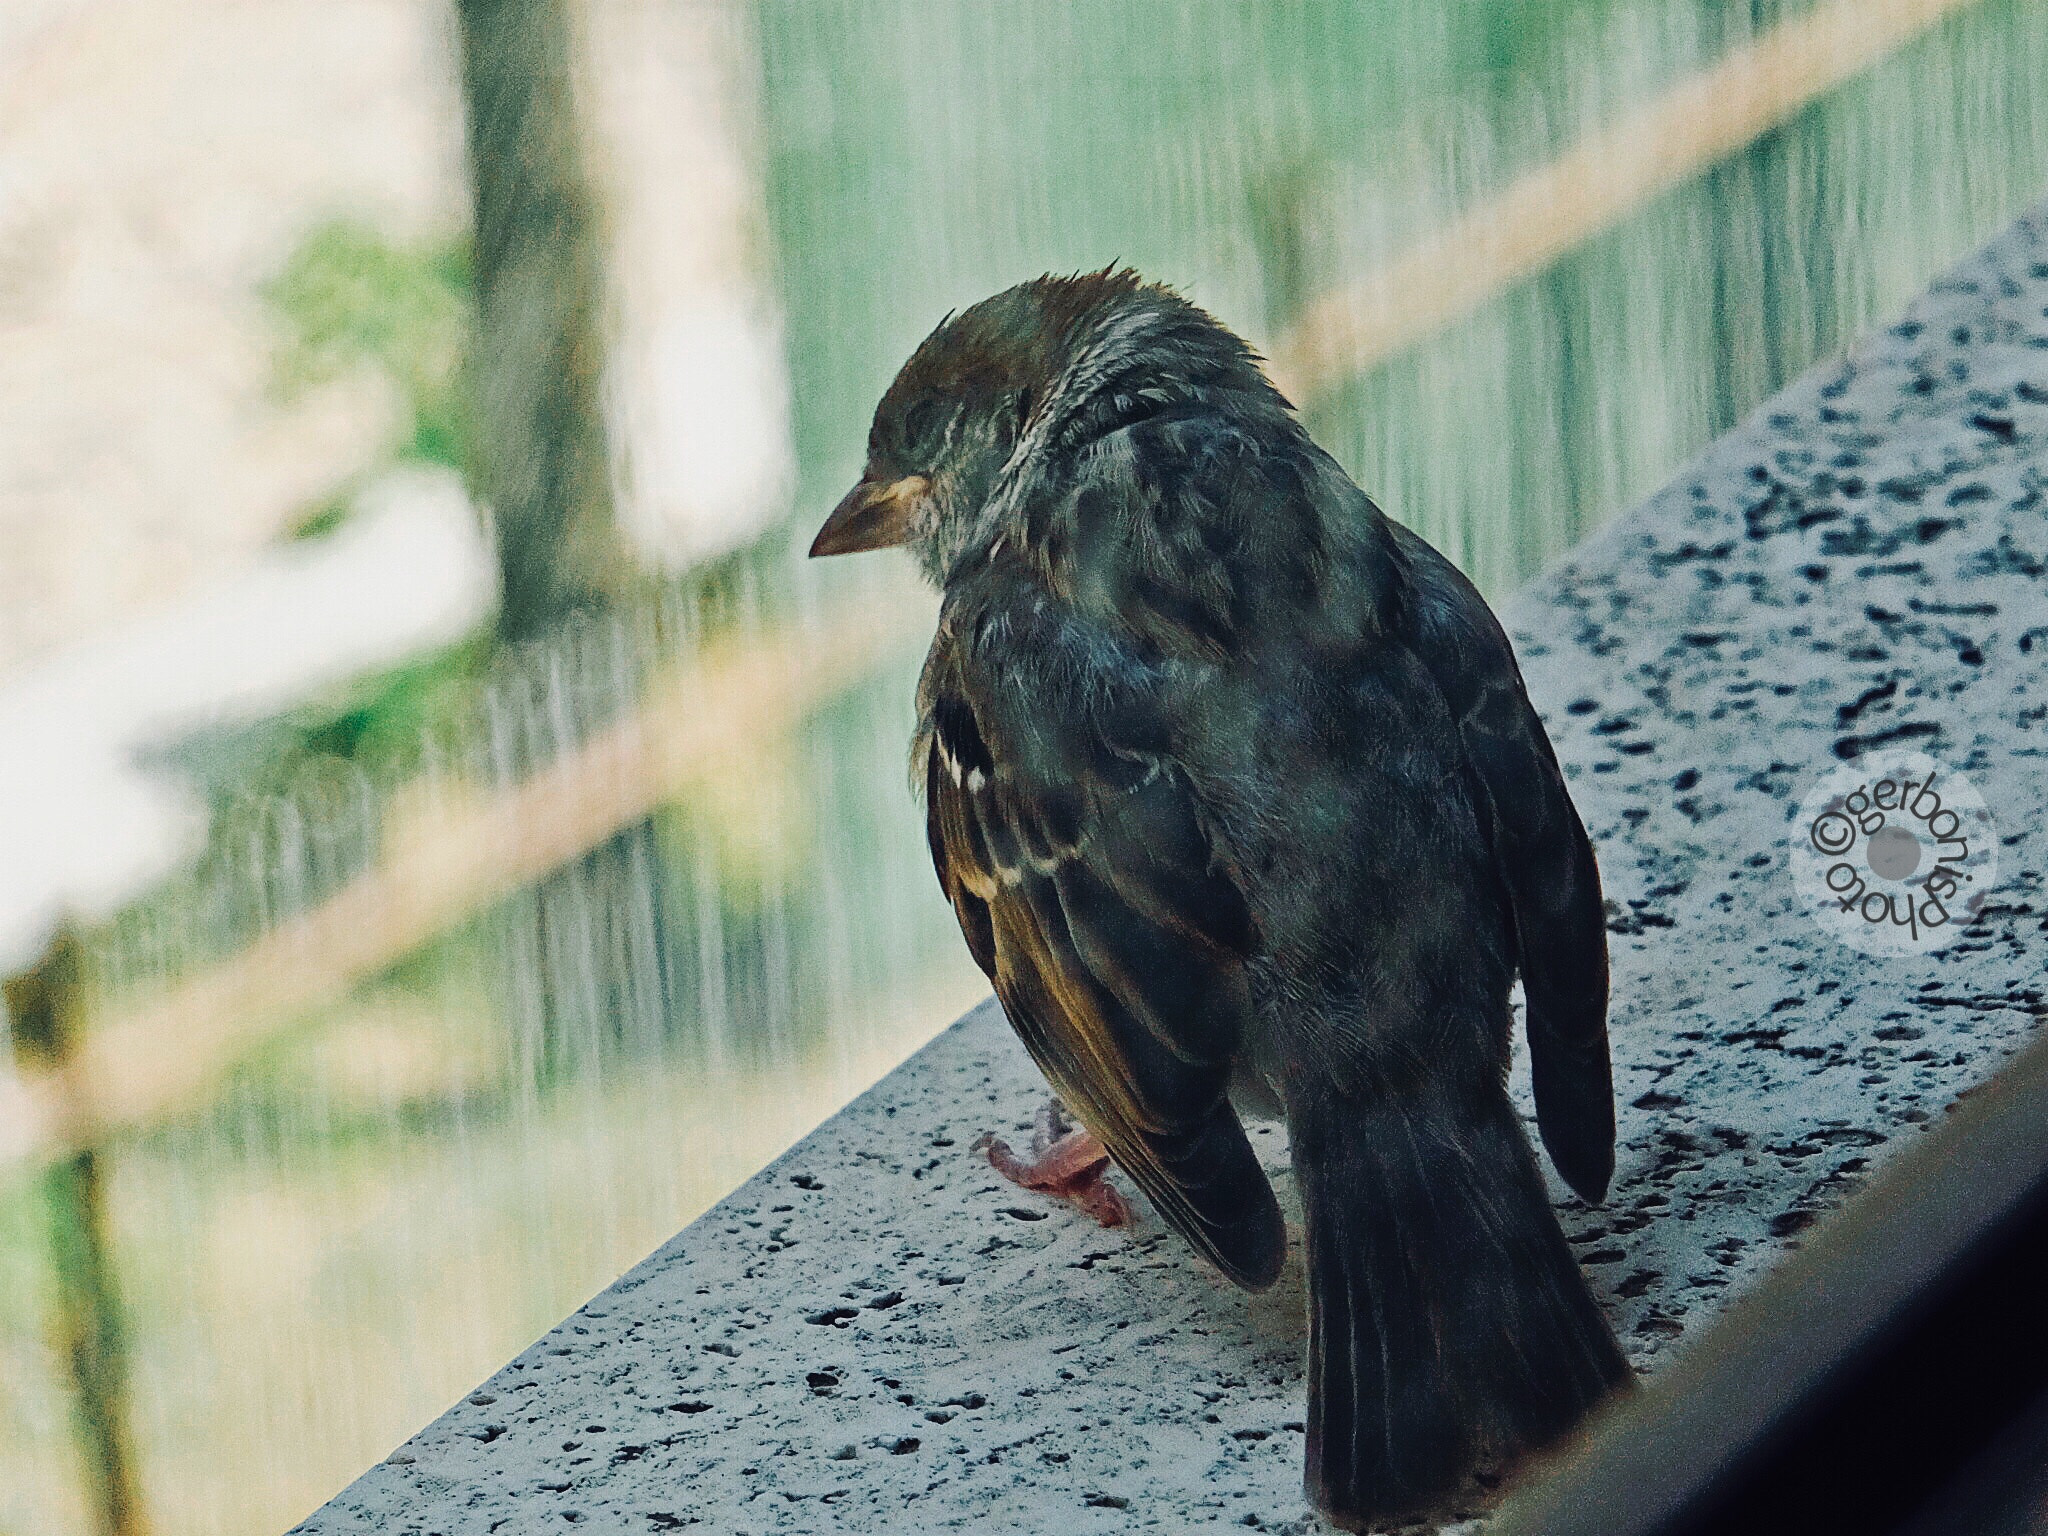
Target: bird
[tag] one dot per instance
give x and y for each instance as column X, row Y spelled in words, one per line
column 1238, row 796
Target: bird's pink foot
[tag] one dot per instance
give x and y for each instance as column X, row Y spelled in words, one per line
column 1065, row 1161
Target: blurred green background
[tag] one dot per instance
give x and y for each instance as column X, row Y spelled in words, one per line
column 391, row 1190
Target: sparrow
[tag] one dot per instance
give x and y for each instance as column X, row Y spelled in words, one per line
column 1237, row 794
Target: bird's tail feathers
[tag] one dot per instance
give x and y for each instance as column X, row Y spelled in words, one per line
column 1449, row 1323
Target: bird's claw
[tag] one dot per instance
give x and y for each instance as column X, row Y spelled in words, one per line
column 1066, row 1162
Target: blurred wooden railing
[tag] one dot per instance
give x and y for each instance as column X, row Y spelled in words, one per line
column 452, row 853
column 1558, row 207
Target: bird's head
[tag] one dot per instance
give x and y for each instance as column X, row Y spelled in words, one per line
column 1012, row 392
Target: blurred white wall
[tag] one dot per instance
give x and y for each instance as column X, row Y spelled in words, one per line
column 700, row 398
column 158, row 160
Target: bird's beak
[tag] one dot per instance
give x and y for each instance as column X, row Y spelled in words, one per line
column 874, row 515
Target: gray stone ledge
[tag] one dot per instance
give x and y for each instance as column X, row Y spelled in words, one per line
column 878, row 1335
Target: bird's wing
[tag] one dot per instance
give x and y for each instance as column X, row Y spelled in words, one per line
column 1088, row 894
column 1545, row 861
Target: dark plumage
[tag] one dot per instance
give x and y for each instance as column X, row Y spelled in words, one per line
column 1235, row 789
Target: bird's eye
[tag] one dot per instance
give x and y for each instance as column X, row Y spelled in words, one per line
column 922, row 420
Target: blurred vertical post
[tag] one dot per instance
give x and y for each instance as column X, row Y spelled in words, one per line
column 44, row 1017
column 586, row 962
column 541, row 460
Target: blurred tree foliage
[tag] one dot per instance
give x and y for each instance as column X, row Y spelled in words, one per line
column 349, row 297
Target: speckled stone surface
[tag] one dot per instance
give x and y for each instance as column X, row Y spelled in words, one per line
column 877, row 1335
